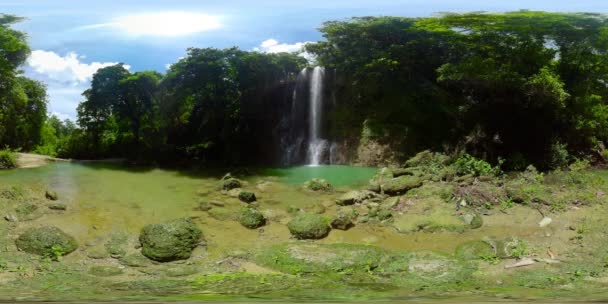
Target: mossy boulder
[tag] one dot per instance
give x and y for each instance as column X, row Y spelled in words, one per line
column 51, row 195
column 247, row 197
column 231, row 183
column 170, row 241
column 401, row 184
column 511, row 247
column 317, row 208
column 46, row 241
column 344, row 219
column 309, row 226
column 318, row 185
column 251, row 218
column 28, row 211
column 300, row 258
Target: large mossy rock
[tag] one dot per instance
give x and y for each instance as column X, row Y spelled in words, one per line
column 309, row 226
column 298, row 258
column 251, row 218
column 401, row 184
column 46, row 241
column 170, row 241
column 318, row 185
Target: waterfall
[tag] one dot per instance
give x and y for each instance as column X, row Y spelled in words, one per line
column 292, row 138
column 316, row 145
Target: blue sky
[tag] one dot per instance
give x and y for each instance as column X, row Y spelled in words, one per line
column 71, row 39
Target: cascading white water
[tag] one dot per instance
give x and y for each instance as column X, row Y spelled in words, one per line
column 316, row 145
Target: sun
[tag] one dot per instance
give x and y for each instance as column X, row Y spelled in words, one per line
column 168, row 24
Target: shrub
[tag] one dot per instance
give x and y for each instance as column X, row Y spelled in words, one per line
column 466, row 164
column 558, row 156
column 8, row 159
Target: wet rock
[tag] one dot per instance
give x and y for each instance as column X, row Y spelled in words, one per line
column 251, row 218
column 58, row 206
column 344, row 219
column 231, row 183
column 221, row 214
column 234, row 192
column 134, row 260
column 319, row 185
column 474, row 250
column 510, row 247
column 217, row 203
column 401, row 185
column 105, row 271
column 116, row 245
column 98, row 253
column 545, row 222
column 204, row 206
column 316, row 208
column 46, row 241
column 309, row 226
column 356, row 197
column 473, row 219
column 11, row 217
column 247, row 197
column 170, row 241
column 28, row 212
column 51, row 195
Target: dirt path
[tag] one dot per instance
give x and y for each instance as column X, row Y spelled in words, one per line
column 28, row 160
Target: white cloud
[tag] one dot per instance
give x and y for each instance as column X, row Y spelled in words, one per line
column 274, row 46
column 167, row 24
column 66, row 78
column 66, row 69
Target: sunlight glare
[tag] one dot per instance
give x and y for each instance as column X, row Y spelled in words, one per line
column 169, row 24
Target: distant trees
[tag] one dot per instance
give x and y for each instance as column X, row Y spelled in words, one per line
column 194, row 111
column 22, row 100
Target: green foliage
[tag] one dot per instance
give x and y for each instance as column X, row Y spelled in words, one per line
column 8, row 159
column 469, row 165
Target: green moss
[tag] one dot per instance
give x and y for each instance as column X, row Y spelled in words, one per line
column 46, row 241
column 247, row 197
column 105, row 271
column 170, row 241
column 321, row 258
column 474, row 250
column 317, row 184
column 251, row 218
column 309, row 226
column 344, row 219
column 116, row 244
column 231, row 183
column 401, row 184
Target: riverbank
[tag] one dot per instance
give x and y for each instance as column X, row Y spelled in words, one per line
column 415, row 232
column 29, row 160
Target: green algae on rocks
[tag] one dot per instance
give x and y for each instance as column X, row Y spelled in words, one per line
column 309, row 226
column 251, row 218
column 173, row 240
column 46, row 241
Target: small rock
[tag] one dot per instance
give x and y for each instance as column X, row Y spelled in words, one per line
column 521, row 263
column 217, row 203
column 58, row 206
column 51, row 195
column 545, row 222
column 247, row 197
column 11, row 218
